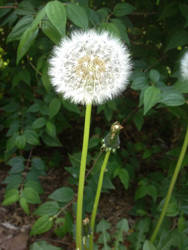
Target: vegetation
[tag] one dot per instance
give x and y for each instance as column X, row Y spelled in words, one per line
column 41, row 132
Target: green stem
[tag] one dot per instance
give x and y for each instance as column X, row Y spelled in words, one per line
column 172, row 183
column 82, row 178
column 97, row 197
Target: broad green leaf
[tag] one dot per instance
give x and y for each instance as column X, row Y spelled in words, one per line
column 34, row 185
column 42, row 225
column 31, row 195
column 77, row 15
column 172, row 98
column 22, row 76
column 31, row 137
column 111, row 28
column 38, row 163
column 64, row 194
column 71, row 107
column 56, row 13
column 144, row 190
column 154, row 75
column 17, row 164
column 52, row 33
column 122, row 226
column 148, row 246
column 172, row 209
column 43, row 245
column 38, row 19
column 123, row 175
column 181, row 86
column 102, row 227
column 24, row 205
column 54, row 107
column 139, row 83
column 21, row 141
column 39, row 123
column 25, row 43
column 122, row 9
column 151, row 97
column 13, row 181
column 19, row 28
column 51, row 128
column 11, row 196
column 122, row 29
column 49, row 208
column 51, row 141
column 179, row 38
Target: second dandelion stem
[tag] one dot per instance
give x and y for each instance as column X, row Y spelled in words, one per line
column 97, row 197
column 171, row 187
column 82, row 178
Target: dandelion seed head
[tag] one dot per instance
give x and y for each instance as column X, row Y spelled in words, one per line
column 90, row 67
column 184, row 66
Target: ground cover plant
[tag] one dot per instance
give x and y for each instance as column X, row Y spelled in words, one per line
column 41, row 130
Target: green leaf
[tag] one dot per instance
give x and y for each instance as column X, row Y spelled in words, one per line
column 111, row 28
column 54, row 107
column 154, row 75
column 21, row 141
column 31, row 137
column 22, row 76
column 42, row 225
column 38, row 163
column 43, row 245
column 123, row 175
column 144, row 190
column 52, row 33
column 17, row 164
column 39, row 123
column 77, row 15
column 31, row 195
column 49, row 208
column 11, row 196
column 71, row 107
column 122, row 226
column 148, row 245
column 64, row 194
column 151, row 97
column 139, row 83
column 182, row 86
column 178, row 38
column 24, row 205
column 19, row 28
column 122, row 29
column 38, row 19
column 25, row 43
column 122, row 9
column 56, row 13
column 51, row 141
column 172, row 98
column 51, row 129
column 172, row 209
column 34, row 185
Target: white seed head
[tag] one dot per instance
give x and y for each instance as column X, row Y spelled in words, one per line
column 184, row 66
column 90, row 67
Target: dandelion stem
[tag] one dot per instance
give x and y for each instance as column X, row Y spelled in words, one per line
column 97, row 197
column 172, row 184
column 82, row 178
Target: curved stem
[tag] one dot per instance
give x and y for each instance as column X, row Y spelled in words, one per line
column 97, row 197
column 82, row 178
column 170, row 189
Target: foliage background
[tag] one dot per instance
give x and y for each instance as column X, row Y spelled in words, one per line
column 41, row 132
